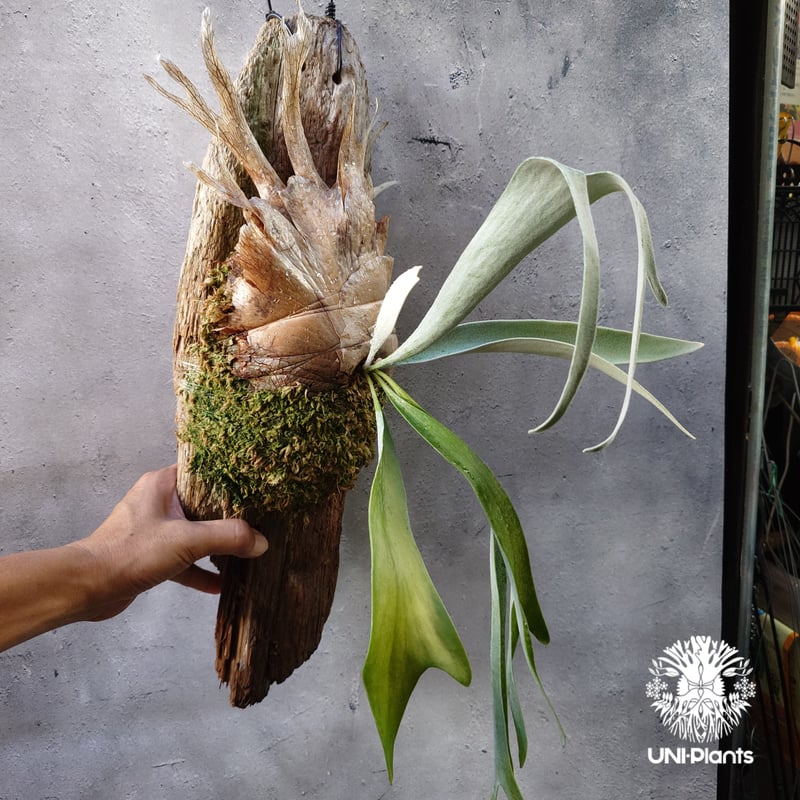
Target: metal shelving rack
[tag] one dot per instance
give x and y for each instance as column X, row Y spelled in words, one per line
column 784, row 292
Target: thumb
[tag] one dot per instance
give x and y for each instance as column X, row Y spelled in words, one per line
column 228, row 537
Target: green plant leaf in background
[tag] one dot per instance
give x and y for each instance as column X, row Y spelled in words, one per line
column 411, row 630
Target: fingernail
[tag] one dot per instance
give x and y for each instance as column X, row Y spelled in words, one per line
column 261, row 545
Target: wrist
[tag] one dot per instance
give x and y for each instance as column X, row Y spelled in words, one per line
column 84, row 581
column 41, row 590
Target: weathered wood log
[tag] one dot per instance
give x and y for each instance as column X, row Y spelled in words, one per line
column 281, row 283
column 272, row 609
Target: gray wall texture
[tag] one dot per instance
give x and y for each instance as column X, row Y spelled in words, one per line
column 626, row 543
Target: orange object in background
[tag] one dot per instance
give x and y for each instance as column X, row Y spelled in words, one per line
column 785, row 120
column 787, row 335
column 788, row 129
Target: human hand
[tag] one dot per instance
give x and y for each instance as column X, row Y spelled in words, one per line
column 147, row 540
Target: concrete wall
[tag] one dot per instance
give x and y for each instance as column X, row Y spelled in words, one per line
column 626, row 544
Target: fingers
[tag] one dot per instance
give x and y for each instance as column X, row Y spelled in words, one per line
column 228, row 537
column 219, row 537
column 162, row 479
column 201, row 579
column 233, row 537
column 168, row 543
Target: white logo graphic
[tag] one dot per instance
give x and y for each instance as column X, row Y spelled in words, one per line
column 702, row 707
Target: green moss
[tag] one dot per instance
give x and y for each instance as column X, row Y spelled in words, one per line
column 278, row 450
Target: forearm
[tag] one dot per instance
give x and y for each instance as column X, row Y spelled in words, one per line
column 43, row 589
column 145, row 540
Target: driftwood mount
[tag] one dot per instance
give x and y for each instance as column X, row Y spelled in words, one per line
column 283, row 229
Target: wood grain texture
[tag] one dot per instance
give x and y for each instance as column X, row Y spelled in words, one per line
column 272, row 610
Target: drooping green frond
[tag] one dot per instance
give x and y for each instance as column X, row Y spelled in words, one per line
column 493, row 498
column 515, row 608
column 411, row 630
column 503, row 696
column 645, row 272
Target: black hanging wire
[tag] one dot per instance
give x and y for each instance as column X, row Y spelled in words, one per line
column 330, row 13
column 272, row 14
column 275, row 15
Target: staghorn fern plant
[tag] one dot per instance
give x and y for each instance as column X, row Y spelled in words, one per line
column 284, row 347
column 411, row 630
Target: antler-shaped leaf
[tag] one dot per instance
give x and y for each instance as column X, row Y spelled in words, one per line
column 513, row 335
column 541, row 197
column 554, row 338
column 515, row 608
column 411, row 630
column 495, row 502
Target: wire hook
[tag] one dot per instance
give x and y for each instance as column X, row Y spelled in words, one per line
column 272, row 14
column 330, row 13
column 337, row 76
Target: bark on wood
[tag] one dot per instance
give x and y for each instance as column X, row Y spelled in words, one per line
column 272, row 609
